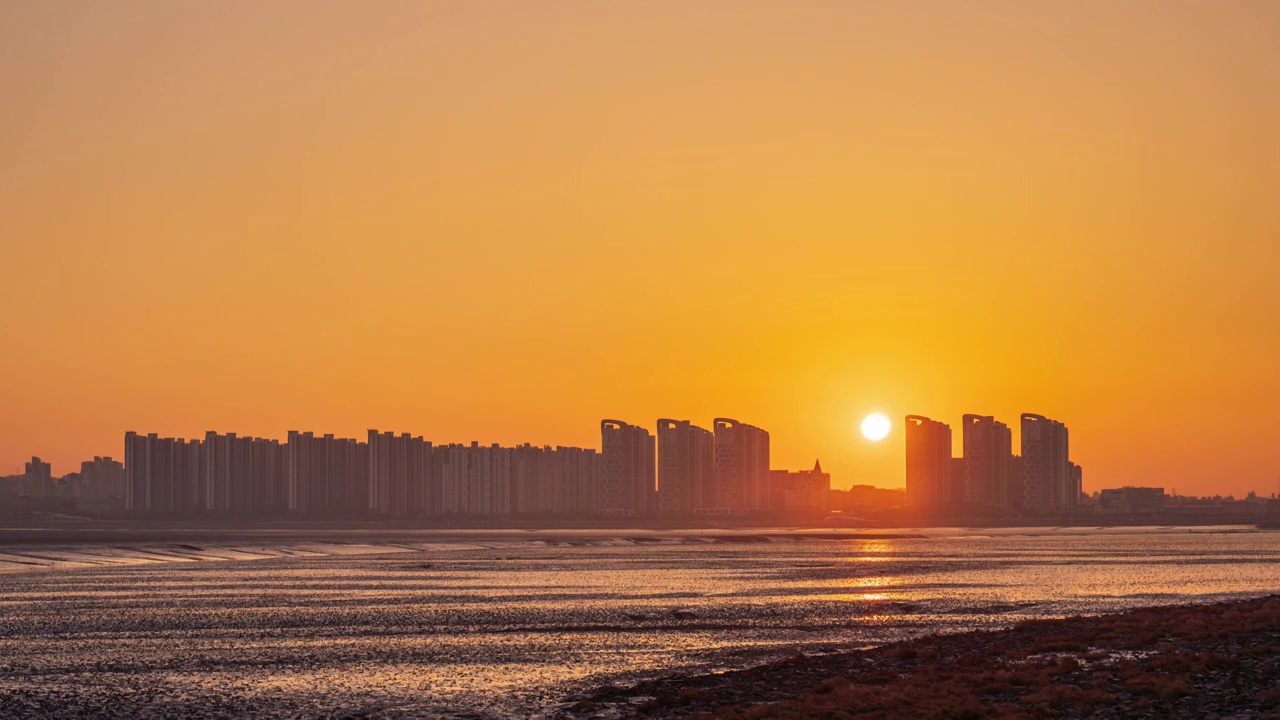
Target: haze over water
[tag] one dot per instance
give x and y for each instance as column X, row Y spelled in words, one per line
column 499, row 623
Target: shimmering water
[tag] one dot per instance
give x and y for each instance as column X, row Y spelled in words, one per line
column 500, row 624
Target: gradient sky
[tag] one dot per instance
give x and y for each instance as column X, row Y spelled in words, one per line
column 505, row 221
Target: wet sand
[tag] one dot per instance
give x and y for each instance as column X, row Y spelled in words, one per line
column 1203, row 661
column 501, row 624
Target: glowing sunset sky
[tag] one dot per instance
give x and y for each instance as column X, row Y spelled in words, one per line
column 505, row 221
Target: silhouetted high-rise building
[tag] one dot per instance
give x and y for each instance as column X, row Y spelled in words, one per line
column 1048, row 480
column 742, row 467
column 686, row 467
column 326, row 476
column 451, row 468
column 955, row 490
column 533, row 485
column 1017, row 488
column 101, row 478
column 488, row 479
column 1077, row 485
column 988, row 460
column 628, row 476
column 402, row 478
column 553, row 480
column 404, row 475
column 242, row 475
column 37, row 481
column 409, row 476
column 267, row 487
column 583, row 473
column 928, row 462
column 163, row 476
column 223, row 461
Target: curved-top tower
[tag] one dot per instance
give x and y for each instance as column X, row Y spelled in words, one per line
column 988, row 461
column 1049, row 479
column 741, row 467
column 686, row 466
column 928, row 461
column 628, row 458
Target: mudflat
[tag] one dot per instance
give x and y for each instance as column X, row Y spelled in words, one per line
column 501, row 623
column 1220, row 660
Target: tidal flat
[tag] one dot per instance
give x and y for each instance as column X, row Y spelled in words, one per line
column 501, row 624
column 1218, row 660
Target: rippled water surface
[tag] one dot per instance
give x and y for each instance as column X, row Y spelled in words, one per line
column 498, row 624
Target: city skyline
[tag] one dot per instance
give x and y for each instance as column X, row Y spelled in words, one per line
column 402, row 475
column 254, row 216
column 682, row 471
column 981, row 480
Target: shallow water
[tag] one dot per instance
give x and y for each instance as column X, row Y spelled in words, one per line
column 500, row 624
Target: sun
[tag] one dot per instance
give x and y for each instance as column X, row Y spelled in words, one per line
column 875, row 427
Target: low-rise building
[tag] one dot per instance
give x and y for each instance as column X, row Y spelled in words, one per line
column 801, row 490
column 1131, row 500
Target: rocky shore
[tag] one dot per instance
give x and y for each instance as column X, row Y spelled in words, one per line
column 1197, row 661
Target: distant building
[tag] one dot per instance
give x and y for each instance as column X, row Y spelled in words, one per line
column 242, row 475
column 576, row 478
column 801, row 490
column 534, row 483
column 11, row 499
column 1131, row 500
column 580, row 473
column 867, row 497
column 1017, row 490
column 402, row 478
column 628, row 486
column 330, row 477
column 721, row 472
column 928, row 462
column 452, row 471
column 741, row 467
column 1049, row 483
column 224, row 457
column 101, row 478
column 988, row 461
column 326, row 476
column 1077, row 484
column 37, row 481
column 488, row 479
column 553, row 479
column 956, row 489
column 686, row 467
column 163, row 476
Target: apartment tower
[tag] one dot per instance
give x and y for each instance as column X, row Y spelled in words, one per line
column 1048, row 479
column 929, row 462
column 628, row 482
column 686, row 467
column 741, row 467
column 988, row 460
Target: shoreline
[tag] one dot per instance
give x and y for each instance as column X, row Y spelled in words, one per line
column 1182, row 661
column 24, row 550
column 374, row 533
column 69, row 521
column 109, row 532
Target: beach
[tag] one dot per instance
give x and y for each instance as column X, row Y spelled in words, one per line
column 1219, row 660
column 530, row 623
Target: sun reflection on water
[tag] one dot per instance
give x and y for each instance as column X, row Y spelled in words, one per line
column 507, row 627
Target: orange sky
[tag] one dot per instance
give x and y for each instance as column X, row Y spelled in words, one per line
column 504, row 221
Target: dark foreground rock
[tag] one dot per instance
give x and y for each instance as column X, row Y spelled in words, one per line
column 1199, row 661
